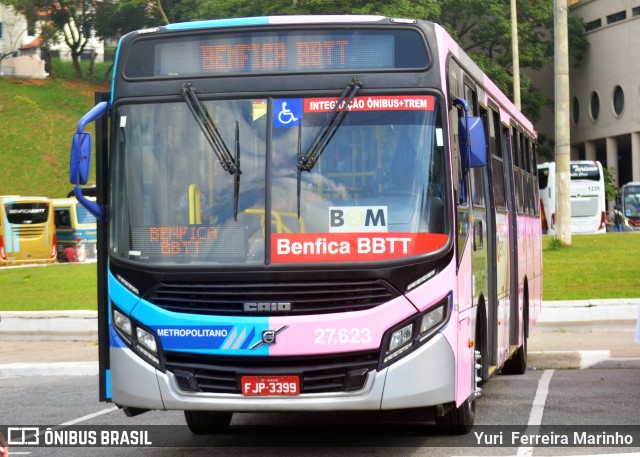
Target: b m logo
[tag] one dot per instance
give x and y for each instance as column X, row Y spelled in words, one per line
column 357, row 219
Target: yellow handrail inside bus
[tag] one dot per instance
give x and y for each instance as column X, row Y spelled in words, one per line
column 195, row 212
column 281, row 227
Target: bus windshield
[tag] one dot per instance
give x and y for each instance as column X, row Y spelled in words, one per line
column 586, row 171
column 631, row 202
column 376, row 192
column 27, row 213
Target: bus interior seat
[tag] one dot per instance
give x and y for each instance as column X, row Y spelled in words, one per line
column 435, row 215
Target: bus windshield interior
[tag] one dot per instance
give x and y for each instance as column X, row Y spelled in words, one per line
column 379, row 176
column 631, row 201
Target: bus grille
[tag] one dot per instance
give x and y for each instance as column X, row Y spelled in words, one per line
column 584, row 207
column 304, row 298
column 319, row 374
column 29, row 230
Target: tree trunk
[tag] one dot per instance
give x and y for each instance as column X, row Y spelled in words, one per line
column 76, row 65
column 107, row 74
column 94, row 54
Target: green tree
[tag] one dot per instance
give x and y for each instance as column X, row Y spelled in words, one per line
column 118, row 17
column 73, row 20
column 483, row 27
column 182, row 10
column 610, row 190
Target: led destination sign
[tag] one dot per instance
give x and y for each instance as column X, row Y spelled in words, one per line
column 278, row 51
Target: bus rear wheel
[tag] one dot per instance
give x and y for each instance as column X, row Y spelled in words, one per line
column 517, row 364
column 458, row 421
column 207, row 422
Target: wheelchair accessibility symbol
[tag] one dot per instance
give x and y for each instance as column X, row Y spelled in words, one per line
column 287, row 112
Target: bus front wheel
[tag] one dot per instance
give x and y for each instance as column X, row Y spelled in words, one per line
column 207, row 422
column 458, row 421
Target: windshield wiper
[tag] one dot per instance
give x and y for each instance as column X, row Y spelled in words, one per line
column 236, row 175
column 324, row 136
column 210, row 130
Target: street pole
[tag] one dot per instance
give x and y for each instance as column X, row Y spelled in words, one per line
column 563, row 139
column 515, row 55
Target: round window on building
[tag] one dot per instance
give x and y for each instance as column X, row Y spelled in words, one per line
column 576, row 110
column 595, row 106
column 618, row 100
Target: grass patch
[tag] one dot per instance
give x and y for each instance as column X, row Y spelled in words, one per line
column 63, row 69
column 593, row 267
column 37, row 121
column 52, row 287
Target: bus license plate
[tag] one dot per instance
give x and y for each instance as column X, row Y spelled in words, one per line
column 270, row 385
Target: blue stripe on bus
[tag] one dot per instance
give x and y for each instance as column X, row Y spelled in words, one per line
column 16, row 241
column 115, row 67
column 72, row 236
column 233, row 22
column 83, row 215
column 121, row 296
column 115, row 341
column 107, row 383
column 197, row 333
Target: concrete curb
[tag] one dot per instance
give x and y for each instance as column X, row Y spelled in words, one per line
column 83, row 325
column 576, row 312
column 49, row 325
column 13, row 370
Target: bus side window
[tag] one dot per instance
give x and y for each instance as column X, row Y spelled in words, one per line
column 461, row 187
column 62, row 218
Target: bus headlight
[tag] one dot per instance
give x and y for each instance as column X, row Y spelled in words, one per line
column 122, row 323
column 411, row 334
column 147, row 345
column 400, row 337
column 138, row 338
column 146, row 339
column 431, row 319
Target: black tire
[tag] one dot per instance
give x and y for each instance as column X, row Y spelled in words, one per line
column 207, row 422
column 517, row 364
column 482, row 347
column 458, row 421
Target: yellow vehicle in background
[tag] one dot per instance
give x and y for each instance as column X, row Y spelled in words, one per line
column 74, row 225
column 27, row 231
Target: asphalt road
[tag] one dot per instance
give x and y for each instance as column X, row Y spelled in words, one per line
column 575, row 379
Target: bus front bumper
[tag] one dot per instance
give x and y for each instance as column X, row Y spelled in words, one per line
column 425, row 377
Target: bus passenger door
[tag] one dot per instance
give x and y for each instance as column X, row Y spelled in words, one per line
column 461, row 195
column 512, row 191
column 500, row 260
column 482, row 242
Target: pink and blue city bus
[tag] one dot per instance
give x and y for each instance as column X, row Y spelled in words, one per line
column 309, row 213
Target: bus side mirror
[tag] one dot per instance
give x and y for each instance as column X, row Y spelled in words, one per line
column 80, row 162
column 474, row 143
column 80, row 159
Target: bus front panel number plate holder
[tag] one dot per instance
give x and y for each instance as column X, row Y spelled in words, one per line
column 260, row 386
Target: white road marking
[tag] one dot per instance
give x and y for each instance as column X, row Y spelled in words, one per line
column 537, row 408
column 88, row 416
column 587, row 358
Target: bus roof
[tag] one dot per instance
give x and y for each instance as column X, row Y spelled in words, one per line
column 23, row 199
column 270, row 20
column 58, row 202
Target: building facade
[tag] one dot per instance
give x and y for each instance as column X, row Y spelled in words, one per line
column 23, row 43
column 605, row 89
